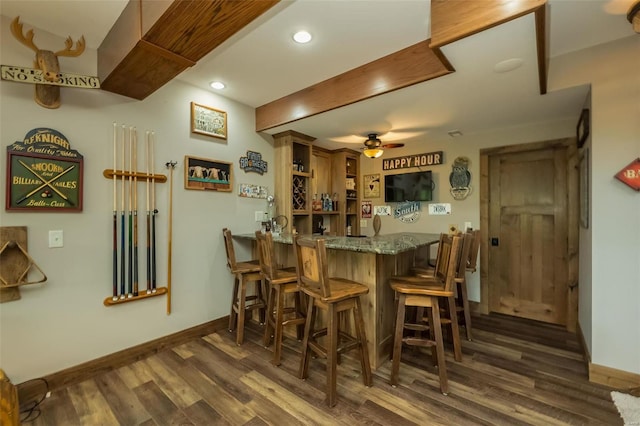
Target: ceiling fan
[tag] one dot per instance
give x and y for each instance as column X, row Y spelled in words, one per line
column 374, row 148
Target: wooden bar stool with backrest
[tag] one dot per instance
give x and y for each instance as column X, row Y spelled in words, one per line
column 332, row 295
column 425, row 293
column 463, row 298
column 281, row 282
column 244, row 273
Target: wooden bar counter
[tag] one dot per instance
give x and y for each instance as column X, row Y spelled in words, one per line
column 370, row 261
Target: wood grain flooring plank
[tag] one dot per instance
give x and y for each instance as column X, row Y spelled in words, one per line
column 176, row 389
column 123, row 401
column 232, row 410
column 201, row 413
column 223, row 372
column 129, row 377
column 268, row 411
column 90, row 405
column 287, row 400
column 227, row 346
column 162, row 409
column 382, row 415
column 56, row 410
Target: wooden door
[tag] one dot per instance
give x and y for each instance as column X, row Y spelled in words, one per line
column 528, row 234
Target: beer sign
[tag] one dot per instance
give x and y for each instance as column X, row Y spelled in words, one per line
column 44, row 173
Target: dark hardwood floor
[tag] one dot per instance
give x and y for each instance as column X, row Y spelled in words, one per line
column 514, row 372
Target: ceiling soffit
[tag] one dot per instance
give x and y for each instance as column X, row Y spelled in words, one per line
column 450, row 21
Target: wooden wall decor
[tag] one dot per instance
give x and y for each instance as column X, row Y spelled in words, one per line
column 205, row 174
column 47, row 75
column 44, row 173
column 16, row 265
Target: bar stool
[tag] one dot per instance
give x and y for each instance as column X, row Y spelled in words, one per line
column 281, row 283
column 244, row 273
column 425, row 293
column 332, row 295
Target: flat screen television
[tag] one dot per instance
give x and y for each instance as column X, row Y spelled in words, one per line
column 417, row 186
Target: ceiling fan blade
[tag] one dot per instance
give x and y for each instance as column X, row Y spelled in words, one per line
column 392, row 145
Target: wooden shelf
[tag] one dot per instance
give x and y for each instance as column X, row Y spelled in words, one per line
column 109, row 301
column 322, row 213
column 109, row 173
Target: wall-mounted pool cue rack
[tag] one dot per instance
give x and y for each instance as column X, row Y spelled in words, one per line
column 126, row 268
column 139, row 178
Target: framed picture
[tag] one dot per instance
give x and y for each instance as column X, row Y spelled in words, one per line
column 371, row 185
column 205, row 174
column 582, row 130
column 584, row 189
column 208, row 121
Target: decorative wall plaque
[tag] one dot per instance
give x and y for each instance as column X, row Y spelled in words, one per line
column 44, row 173
column 630, row 175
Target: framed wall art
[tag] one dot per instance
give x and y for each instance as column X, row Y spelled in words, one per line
column 208, row 121
column 371, row 185
column 205, row 174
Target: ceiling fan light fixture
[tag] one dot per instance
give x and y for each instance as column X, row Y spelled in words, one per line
column 373, row 152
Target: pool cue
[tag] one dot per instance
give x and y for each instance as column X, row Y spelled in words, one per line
column 146, row 140
column 122, row 223
column 130, row 282
column 154, row 213
column 135, row 211
column 115, row 216
column 171, row 165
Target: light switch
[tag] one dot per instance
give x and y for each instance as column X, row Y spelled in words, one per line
column 56, row 239
column 259, row 216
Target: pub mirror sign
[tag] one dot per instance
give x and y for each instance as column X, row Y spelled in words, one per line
column 44, row 173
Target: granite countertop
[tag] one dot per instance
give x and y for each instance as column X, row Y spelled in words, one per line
column 382, row 244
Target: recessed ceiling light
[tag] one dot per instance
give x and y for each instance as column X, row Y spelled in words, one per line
column 302, row 37
column 217, row 85
column 508, row 65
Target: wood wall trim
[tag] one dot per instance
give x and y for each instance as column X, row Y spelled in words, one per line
column 612, row 377
column 412, row 65
column 586, row 356
column 33, row 389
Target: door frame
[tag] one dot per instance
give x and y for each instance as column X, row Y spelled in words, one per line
column 572, row 219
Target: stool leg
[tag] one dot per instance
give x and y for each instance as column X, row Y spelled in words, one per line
column 455, row 330
column 268, row 330
column 278, row 325
column 397, row 340
column 242, row 305
column 303, row 372
column 260, row 294
column 234, row 300
column 299, row 312
column 332, row 355
column 434, row 319
column 364, row 349
column 465, row 308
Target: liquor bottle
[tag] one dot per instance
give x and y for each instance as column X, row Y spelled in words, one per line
column 329, row 203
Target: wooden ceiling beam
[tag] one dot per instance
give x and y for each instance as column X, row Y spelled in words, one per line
column 153, row 41
column 406, row 67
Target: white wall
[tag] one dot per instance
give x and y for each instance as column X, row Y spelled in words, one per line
column 63, row 322
column 612, row 69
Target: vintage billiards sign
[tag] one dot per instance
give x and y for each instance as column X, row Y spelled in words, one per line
column 44, row 173
column 630, row 175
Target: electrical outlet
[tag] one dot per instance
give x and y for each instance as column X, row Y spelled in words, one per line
column 467, row 225
column 363, row 223
column 259, row 216
column 56, row 239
